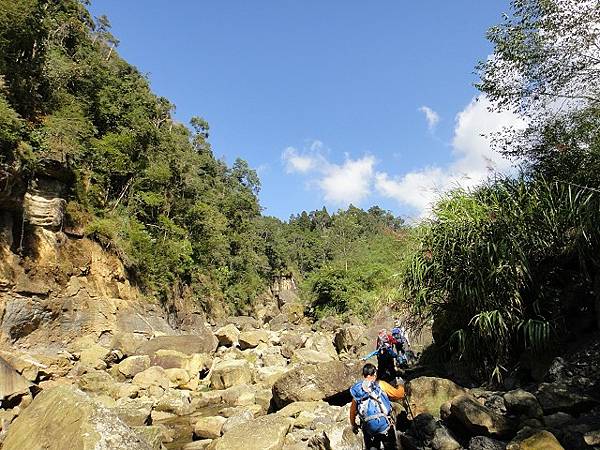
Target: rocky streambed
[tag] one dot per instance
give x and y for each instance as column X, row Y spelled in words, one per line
column 274, row 384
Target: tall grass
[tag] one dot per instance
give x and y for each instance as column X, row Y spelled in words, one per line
column 492, row 265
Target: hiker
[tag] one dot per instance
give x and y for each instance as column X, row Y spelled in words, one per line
column 402, row 343
column 371, row 402
column 386, row 357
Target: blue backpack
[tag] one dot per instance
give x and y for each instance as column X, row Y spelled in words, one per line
column 373, row 405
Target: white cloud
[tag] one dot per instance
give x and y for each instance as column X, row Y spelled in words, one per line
column 341, row 184
column 431, row 116
column 297, row 163
column 473, row 160
column 349, row 182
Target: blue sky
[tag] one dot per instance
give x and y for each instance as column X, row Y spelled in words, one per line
column 332, row 101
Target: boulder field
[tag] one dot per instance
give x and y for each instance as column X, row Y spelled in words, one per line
column 233, row 389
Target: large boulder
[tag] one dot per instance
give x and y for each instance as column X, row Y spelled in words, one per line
column 529, row 439
column 94, row 356
column 251, row 339
column 66, row 418
column 428, row 394
column 557, row 397
column 522, row 403
column 230, row 373
column 133, row 365
column 11, row 383
column 263, row 433
column 175, row 401
column 477, row 418
column 311, row 382
column 153, row 376
column 209, row 427
column 244, row 323
column 322, row 343
column 187, row 344
column 310, row 356
column 228, row 335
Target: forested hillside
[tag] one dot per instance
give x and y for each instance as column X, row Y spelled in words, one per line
column 149, row 188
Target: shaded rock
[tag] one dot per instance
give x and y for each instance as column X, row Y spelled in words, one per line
column 244, row 323
column 428, row 394
column 424, row 426
column 311, row 382
column 66, row 418
column 230, row 373
column 209, row 427
column 485, row 443
column 556, row 397
column 11, row 383
column 263, row 433
column 478, row 419
column 251, row 339
column 187, row 344
column 279, row 322
column 557, row 420
column 529, row 439
column 444, row 440
column 133, row 365
column 292, row 339
column 227, row 335
column 348, row 337
column 153, row 376
column 337, row 436
column 521, row 402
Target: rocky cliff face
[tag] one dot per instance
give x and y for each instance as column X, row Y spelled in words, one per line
column 56, row 286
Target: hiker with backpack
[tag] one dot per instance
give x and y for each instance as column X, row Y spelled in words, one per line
column 386, row 357
column 402, row 343
column 371, row 403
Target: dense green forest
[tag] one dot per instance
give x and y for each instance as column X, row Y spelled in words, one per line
column 150, row 189
column 504, row 270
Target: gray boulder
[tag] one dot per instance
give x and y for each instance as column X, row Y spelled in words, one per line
column 478, row 419
column 310, row 382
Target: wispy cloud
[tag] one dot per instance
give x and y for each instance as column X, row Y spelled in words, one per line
column 431, row 116
column 473, row 161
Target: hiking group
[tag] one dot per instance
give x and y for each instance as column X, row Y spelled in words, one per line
column 372, row 396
